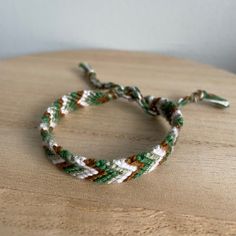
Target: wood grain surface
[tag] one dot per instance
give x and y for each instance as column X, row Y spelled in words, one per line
column 193, row 193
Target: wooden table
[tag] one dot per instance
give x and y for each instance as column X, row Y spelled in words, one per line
column 193, row 193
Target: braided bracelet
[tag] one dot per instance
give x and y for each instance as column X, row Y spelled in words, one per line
column 117, row 170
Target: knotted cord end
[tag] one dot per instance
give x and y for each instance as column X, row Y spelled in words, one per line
column 214, row 99
column 202, row 95
column 86, row 68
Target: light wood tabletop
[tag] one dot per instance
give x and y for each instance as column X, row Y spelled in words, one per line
column 192, row 193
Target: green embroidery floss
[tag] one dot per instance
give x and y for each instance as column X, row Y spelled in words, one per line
column 117, row 170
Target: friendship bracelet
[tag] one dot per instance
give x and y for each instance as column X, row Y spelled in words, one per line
column 124, row 169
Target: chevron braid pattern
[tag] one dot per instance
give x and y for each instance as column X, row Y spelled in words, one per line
column 117, row 170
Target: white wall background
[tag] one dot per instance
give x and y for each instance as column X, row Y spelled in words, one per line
column 204, row 30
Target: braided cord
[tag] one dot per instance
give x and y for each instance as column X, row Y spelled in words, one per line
column 124, row 169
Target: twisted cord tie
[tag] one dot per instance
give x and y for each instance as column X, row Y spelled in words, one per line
column 148, row 103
